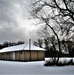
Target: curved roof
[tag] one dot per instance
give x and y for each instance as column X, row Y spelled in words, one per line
column 21, row 47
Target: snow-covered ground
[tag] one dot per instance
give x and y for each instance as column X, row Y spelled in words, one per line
column 35, row 67
column 61, row 59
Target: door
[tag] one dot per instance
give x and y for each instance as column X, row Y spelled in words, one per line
column 13, row 56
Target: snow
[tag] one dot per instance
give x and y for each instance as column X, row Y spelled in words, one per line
column 21, row 47
column 32, row 68
column 66, row 59
column 62, row 59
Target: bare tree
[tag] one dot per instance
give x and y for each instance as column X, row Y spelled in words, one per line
column 40, row 13
column 61, row 12
column 38, row 43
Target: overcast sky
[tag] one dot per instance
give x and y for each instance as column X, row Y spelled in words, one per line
column 14, row 23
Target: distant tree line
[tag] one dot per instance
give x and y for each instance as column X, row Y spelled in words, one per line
column 50, row 44
column 8, row 44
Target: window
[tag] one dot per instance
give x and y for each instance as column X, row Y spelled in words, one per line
column 7, row 53
column 21, row 52
column 2, row 54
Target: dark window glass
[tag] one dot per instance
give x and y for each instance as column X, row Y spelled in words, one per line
column 7, row 53
column 21, row 52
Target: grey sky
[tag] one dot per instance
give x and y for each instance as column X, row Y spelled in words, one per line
column 14, row 23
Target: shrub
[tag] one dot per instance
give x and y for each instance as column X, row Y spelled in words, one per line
column 49, row 63
column 60, row 63
column 71, row 62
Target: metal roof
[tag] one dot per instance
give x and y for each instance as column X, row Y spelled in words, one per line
column 21, row 47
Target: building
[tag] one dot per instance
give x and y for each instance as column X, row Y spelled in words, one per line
column 23, row 52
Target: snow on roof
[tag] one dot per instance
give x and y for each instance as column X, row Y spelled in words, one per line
column 21, row 47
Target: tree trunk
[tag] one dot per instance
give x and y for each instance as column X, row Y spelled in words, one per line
column 57, row 38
